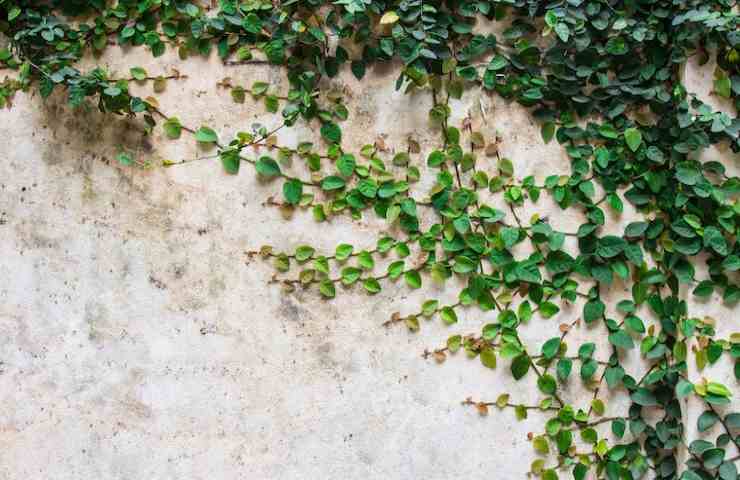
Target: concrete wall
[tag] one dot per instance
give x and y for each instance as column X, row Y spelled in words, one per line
column 139, row 341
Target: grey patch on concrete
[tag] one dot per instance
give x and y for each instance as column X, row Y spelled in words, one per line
column 324, row 353
column 178, row 270
column 33, row 236
column 216, row 287
column 97, row 321
column 159, row 284
column 292, row 310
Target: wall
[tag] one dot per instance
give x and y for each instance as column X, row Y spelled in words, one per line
column 140, row 341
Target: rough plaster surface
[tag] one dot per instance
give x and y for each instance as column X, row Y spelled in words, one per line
column 140, row 342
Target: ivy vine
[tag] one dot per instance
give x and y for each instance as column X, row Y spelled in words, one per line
column 602, row 77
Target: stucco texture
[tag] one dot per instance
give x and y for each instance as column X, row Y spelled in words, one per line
column 140, row 341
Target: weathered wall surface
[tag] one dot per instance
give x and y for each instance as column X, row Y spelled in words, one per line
column 139, row 341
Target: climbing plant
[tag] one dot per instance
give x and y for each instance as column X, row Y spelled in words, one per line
column 604, row 80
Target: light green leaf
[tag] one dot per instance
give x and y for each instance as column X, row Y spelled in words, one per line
column 413, row 279
column 206, row 135
column 138, row 73
column 633, row 137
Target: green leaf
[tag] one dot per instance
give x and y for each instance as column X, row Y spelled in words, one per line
column 389, row 17
column 138, row 73
column 488, row 357
column 547, row 384
column 497, row 63
column 13, row 13
column 327, row 289
column 713, row 457
column 510, row 236
column 365, row 260
column 350, row 275
column 206, row 135
column 731, row 263
column 541, row 445
column 413, row 279
column 687, row 173
column 259, row 88
column 304, row 252
column 633, row 253
column 706, row 420
column 238, row 94
column 548, row 131
column 550, row 474
column 621, row 339
column 563, row 368
column 610, row 246
column 392, row 213
column 593, row 310
column 690, row 475
column 368, row 188
column 704, row 289
column 718, row 389
column 371, row 285
column 635, row 324
column 580, row 471
column 172, row 127
column 520, row 366
column 563, row 31
column 728, row 471
column 412, row 323
column 454, row 343
column 588, row 189
column 524, row 311
column 551, row 347
column 733, row 421
column 343, row 252
column 395, row 269
column 331, row 132
column 332, row 182
column 267, row 167
column 588, row 369
column 435, row 159
column 635, row 229
column 618, row 427
column 548, row 309
column 684, row 388
column 723, row 86
column 633, row 137
column 293, row 191
column 272, row 103
column 586, row 350
column 713, row 238
column 449, row 316
column 429, row 308
column 608, row 131
column 346, row 165
column 644, row 398
column 617, row 46
column 113, row 91
column 230, row 161
column 613, row 376
column 506, row 167
column 464, row 265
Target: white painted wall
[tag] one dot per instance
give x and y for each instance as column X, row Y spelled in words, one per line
column 140, row 342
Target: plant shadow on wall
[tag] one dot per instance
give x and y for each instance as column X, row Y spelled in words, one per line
column 601, row 78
